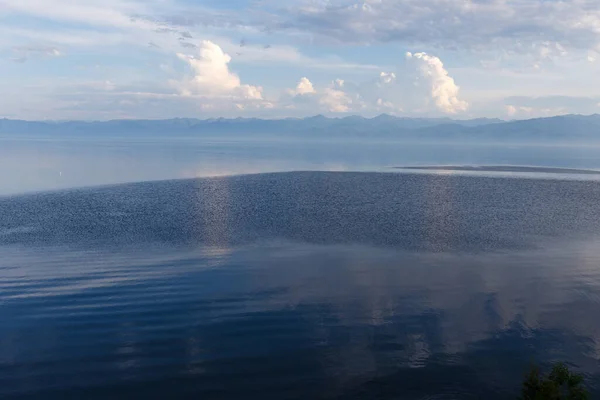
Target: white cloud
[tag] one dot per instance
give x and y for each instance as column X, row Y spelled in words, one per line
column 335, row 100
column 212, row 77
column 386, row 78
column 530, row 107
column 331, row 99
column 532, row 112
column 386, row 105
column 444, row 91
column 511, row 110
column 303, row 87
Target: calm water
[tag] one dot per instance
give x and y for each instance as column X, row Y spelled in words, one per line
column 298, row 285
column 44, row 163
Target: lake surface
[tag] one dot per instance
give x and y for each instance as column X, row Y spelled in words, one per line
column 29, row 163
column 299, row 285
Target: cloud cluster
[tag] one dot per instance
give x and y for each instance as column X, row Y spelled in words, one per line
column 424, row 87
column 534, row 107
column 211, row 87
column 529, row 26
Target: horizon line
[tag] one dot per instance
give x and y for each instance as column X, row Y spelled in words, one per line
column 294, row 118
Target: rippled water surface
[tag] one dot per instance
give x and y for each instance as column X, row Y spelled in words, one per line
column 299, row 285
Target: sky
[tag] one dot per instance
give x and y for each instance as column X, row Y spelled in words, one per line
column 112, row 59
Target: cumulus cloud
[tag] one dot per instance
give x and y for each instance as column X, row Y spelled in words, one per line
column 212, row 77
column 335, row 100
column 444, row 91
column 303, row 87
column 305, row 97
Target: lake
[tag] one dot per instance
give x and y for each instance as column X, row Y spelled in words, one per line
column 242, row 280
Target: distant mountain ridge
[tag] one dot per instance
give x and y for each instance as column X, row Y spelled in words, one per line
column 566, row 127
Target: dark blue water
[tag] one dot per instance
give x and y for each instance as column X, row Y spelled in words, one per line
column 299, row 285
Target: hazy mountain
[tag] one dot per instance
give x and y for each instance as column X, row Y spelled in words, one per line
column 560, row 128
column 564, row 128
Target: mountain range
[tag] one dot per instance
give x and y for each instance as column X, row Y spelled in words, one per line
column 567, row 128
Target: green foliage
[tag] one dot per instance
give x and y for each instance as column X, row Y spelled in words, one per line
column 560, row 384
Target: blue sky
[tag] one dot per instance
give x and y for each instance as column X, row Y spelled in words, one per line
column 106, row 59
